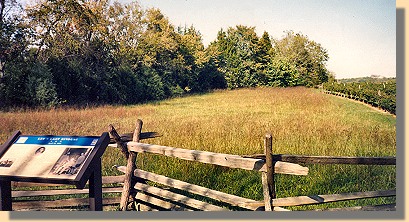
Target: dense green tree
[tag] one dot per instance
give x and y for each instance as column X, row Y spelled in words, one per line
column 63, row 28
column 23, row 82
column 71, row 38
column 265, row 49
column 158, row 50
column 308, row 57
column 125, row 30
column 374, row 91
column 192, row 50
column 236, row 56
column 13, row 34
column 282, row 73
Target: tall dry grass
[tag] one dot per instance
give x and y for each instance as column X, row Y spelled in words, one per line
column 301, row 120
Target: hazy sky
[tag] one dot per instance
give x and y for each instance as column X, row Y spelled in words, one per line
column 360, row 35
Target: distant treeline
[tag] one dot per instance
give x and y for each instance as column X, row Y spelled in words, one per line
column 92, row 52
column 369, row 79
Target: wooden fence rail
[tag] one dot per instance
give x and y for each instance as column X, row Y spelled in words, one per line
column 195, row 189
column 36, row 203
column 319, row 199
column 391, row 160
column 220, row 159
column 365, row 100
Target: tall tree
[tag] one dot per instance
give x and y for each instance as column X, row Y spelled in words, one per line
column 159, row 50
column 237, row 56
column 308, row 57
column 71, row 38
column 64, row 28
column 265, row 49
column 191, row 49
column 13, row 33
column 125, row 29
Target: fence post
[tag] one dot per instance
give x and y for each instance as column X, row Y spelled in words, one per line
column 267, row 178
column 5, row 195
column 95, row 188
column 130, row 168
column 117, row 138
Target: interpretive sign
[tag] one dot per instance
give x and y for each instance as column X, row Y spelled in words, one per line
column 46, row 156
column 52, row 159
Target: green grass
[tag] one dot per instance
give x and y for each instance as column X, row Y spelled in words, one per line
column 301, row 120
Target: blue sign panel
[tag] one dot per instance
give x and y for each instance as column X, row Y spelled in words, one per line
column 58, row 140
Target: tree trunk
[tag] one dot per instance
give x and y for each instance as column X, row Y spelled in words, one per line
column 2, row 6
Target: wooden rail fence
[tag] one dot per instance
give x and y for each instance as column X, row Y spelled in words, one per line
column 359, row 99
column 142, row 190
column 34, row 199
column 347, row 96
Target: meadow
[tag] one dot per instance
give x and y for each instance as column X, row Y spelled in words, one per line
column 301, row 120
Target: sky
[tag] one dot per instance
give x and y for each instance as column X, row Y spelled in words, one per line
column 359, row 35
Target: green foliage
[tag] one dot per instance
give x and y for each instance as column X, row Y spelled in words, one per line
column 283, row 74
column 307, row 57
column 96, row 53
column 40, row 86
column 237, row 56
column 378, row 94
column 154, row 87
column 30, row 85
column 247, row 61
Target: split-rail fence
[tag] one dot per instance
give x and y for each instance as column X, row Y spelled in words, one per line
column 139, row 193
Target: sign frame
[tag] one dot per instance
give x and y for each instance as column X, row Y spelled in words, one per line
column 90, row 170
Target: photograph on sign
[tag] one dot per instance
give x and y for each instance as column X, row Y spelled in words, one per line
column 70, row 162
column 58, row 157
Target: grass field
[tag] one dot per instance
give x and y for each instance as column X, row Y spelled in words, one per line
column 301, row 120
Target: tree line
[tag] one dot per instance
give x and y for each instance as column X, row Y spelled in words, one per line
column 75, row 52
